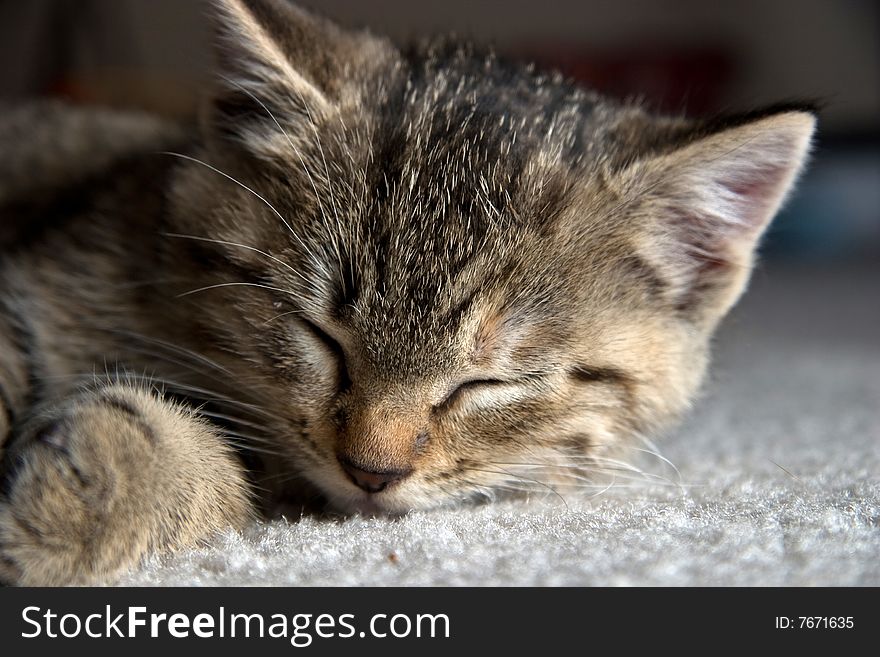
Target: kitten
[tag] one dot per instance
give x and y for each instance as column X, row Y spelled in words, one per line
column 391, row 279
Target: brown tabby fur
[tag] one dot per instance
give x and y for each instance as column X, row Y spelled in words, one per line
column 443, row 272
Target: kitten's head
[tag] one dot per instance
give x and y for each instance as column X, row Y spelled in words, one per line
column 472, row 274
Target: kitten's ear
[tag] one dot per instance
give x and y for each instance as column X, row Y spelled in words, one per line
column 274, row 62
column 707, row 202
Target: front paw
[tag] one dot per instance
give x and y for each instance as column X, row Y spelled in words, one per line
column 91, row 487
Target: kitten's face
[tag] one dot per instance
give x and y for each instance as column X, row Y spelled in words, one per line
column 471, row 277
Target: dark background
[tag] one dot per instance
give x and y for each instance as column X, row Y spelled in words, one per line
column 692, row 55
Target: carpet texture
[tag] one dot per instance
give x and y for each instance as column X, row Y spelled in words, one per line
column 779, row 482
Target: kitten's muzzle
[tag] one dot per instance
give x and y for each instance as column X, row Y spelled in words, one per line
column 369, row 480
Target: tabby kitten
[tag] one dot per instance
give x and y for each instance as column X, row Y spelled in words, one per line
column 384, row 279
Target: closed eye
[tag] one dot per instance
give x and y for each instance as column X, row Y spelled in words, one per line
column 454, row 395
column 335, row 350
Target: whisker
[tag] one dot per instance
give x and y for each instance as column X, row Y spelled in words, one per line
column 284, row 477
column 520, row 477
column 243, row 186
column 260, row 285
column 234, row 419
column 299, row 155
column 243, row 246
column 651, row 448
column 333, row 239
column 206, row 394
column 279, row 316
column 323, row 158
column 201, row 358
column 248, row 446
column 286, row 136
column 200, row 372
column 561, row 464
column 164, row 358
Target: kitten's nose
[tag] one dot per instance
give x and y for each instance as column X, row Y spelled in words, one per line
column 369, row 480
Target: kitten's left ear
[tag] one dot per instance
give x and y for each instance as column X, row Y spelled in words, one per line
column 707, row 202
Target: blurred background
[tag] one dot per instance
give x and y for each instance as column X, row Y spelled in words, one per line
column 702, row 57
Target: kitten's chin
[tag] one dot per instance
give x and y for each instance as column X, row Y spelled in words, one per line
column 370, row 507
column 388, row 504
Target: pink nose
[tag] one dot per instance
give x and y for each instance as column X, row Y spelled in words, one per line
column 369, row 480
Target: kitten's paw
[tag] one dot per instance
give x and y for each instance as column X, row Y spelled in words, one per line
column 91, row 487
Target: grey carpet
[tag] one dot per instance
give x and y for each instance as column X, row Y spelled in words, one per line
column 779, row 469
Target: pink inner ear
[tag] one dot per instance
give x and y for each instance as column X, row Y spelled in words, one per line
column 715, row 242
column 756, row 194
column 724, row 189
column 717, row 196
column 715, row 239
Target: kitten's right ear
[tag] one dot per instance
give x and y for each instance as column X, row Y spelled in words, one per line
column 275, row 63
